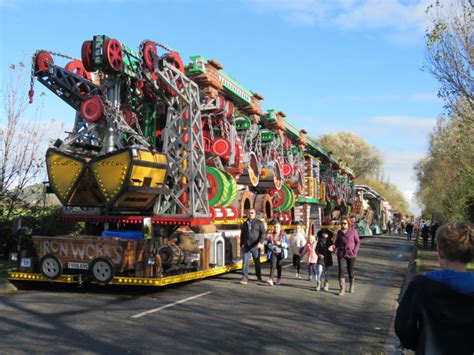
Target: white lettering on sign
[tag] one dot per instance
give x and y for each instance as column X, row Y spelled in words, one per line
column 83, row 251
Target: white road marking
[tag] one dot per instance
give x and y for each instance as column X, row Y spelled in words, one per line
column 170, row 305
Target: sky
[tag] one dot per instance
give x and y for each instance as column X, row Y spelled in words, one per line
column 331, row 66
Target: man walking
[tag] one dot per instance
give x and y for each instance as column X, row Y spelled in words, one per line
column 409, row 230
column 251, row 238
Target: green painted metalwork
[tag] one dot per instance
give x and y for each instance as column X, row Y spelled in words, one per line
column 229, row 83
column 149, row 124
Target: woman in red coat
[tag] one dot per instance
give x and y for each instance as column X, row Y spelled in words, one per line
column 347, row 245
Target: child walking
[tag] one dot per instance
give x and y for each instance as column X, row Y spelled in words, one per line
column 310, row 249
column 324, row 249
column 297, row 242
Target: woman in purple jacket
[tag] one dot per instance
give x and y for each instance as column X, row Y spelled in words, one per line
column 347, row 245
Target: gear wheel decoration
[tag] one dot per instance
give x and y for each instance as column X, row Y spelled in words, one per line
column 113, row 55
column 232, row 191
column 218, row 188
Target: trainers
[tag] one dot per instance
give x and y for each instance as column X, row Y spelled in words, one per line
column 278, row 282
column 270, row 282
column 318, row 286
column 243, row 281
column 326, row 286
column 297, row 276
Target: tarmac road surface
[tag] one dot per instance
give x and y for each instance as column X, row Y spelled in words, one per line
column 216, row 315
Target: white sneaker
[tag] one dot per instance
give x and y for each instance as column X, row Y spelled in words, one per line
column 270, row 282
column 297, row 276
column 277, row 282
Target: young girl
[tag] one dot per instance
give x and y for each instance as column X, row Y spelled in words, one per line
column 324, row 249
column 297, row 242
column 310, row 249
column 277, row 244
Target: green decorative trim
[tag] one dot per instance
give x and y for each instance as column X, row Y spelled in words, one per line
column 308, row 200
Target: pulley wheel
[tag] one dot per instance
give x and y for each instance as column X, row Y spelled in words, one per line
column 92, row 109
column 78, row 68
column 43, row 61
column 149, row 51
column 287, row 169
column 86, row 55
column 221, row 147
column 113, row 55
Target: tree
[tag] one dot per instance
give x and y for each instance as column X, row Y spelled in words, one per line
column 449, row 53
column 389, row 191
column 446, row 176
column 365, row 160
column 21, row 160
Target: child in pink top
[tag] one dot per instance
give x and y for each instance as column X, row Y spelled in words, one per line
column 310, row 249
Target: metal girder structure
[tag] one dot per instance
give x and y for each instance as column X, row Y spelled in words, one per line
column 183, row 146
column 70, row 87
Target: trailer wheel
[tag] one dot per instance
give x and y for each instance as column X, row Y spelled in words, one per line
column 102, row 270
column 51, row 267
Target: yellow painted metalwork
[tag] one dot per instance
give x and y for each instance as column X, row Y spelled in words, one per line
column 63, row 173
column 111, row 172
column 332, row 227
column 230, row 221
column 24, row 276
column 138, row 281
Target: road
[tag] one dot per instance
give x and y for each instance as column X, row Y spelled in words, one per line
column 216, row 315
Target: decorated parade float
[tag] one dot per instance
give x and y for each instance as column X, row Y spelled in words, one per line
column 162, row 164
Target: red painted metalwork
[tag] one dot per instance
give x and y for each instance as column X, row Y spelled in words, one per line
column 221, row 147
column 149, row 48
column 113, row 55
column 78, row 68
column 43, row 60
column 92, row 109
column 86, row 55
column 169, row 220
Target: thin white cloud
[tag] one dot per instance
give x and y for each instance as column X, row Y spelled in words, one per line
column 413, row 122
column 399, row 21
column 398, row 169
column 351, row 14
column 424, row 97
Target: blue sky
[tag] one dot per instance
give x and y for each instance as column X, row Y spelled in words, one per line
column 352, row 65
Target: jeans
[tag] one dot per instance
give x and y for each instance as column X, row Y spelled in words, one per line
column 255, row 254
column 409, row 236
column 322, row 269
column 312, row 269
column 350, row 262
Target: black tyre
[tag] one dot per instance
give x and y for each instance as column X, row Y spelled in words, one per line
column 51, row 267
column 102, row 270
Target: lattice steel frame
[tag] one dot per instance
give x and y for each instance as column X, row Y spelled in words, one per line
column 183, row 145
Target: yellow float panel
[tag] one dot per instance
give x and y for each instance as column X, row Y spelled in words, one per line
column 110, row 172
column 63, row 171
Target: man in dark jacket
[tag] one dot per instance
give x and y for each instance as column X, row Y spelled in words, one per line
column 409, row 230
column 433, row 228
column 252, row 234
column 436, row 313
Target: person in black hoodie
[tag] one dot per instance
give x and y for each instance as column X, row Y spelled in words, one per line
column 436, row 314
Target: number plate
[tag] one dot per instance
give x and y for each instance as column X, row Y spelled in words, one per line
column 80, row 266
column 26, row 262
